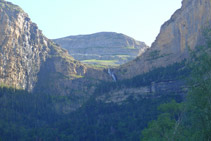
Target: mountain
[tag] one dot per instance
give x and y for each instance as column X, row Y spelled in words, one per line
column 32, row 62
column 23, row 48
column 182, row 32
column 103, row 48
column 47, row 95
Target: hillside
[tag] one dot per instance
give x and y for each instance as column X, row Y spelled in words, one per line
column 180, row 34
column 102, row 49
column 45, row 94
column 24, row 49
column 30, row 61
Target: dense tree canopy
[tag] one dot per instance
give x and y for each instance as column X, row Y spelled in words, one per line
column 193, row 116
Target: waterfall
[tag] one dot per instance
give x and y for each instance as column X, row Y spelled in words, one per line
column 112, row 75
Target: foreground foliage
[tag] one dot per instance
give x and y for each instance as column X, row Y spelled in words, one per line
column 190, row 120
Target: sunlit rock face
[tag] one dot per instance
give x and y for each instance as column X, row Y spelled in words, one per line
column 184, row 30
column 24, row 49
column 30, row 61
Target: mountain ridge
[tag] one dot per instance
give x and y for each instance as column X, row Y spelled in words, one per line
column 24, row 50
column 102, row 47
column 182, row 32
column 73, row 101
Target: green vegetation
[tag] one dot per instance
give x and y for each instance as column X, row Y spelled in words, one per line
column 26, row 116
column 22, row 113
column 123, row 56
column 154, row 55
column 38, row 116
column 130, row 47
column 101, row 63
column 76, row 76
column 114, row 61
column 165, row 126
column 172, row 72
column 190, row 120
column 101, row 121
column 60, row 53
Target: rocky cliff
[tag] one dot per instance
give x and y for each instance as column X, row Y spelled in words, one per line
column 22, row 48
column 104, row 48
column 25, row 55
column 30, row 61
column 184, row 30
column 155, row 89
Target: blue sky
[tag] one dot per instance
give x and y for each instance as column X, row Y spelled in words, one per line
column 140, row 19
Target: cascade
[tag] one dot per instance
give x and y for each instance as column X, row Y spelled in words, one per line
column 112, row 75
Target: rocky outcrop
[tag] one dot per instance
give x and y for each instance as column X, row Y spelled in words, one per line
column 25, row 55
column 30, row 61
column 155, row 89
column 112, row 46
column 183, row 31
column 22, row 48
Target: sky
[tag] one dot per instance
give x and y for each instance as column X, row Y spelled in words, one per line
column 140, row 19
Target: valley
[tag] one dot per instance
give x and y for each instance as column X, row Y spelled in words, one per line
column 106, row 85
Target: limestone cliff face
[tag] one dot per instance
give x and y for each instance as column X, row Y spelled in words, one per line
column 22, row 47
column 112, row 46
column 182, row 31
column 155, row 89
column 25, row 53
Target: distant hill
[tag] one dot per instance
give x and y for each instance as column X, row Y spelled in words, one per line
column 103, row 48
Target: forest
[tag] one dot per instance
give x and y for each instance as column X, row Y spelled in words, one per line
column 32, row 116
column 190, row 119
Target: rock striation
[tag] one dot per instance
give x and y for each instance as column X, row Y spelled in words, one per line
column 26, row 54
column 30, row 61
column 113, row 47
column 184, row 30
column 22, row 48
column 155, row 89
